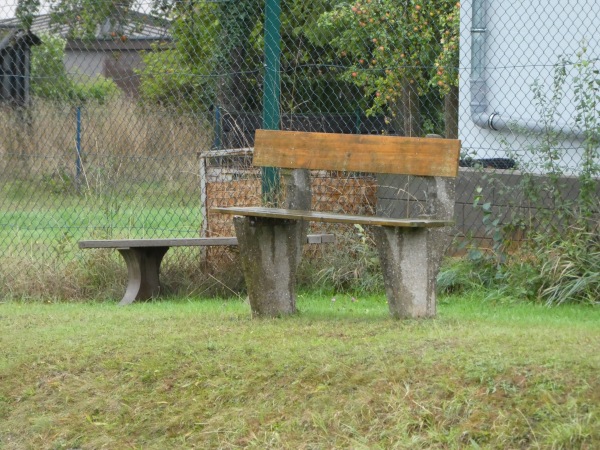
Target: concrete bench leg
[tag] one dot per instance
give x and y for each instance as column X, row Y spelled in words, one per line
column 270, row 251
column 143, row 266
column 410, row 261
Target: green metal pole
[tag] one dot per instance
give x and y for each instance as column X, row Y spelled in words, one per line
column 271, row 89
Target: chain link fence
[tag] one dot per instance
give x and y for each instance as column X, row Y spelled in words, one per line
column 131, row 118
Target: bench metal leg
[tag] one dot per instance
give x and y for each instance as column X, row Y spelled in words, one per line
column 410, row 260
column 270, row 251
column 143, row 266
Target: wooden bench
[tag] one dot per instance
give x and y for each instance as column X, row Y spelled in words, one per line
column 410, row 248
column 144, row 256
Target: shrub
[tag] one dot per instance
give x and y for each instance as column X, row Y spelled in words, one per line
column 460, row 275
column 98, row 89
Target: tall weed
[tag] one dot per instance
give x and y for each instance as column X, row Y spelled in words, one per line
column 351, row 265
column 570, row 269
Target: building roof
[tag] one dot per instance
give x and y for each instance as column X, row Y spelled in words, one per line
column 15, row 37
column 138, row 26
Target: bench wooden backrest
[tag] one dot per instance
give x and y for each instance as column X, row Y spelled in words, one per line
column 357, row 153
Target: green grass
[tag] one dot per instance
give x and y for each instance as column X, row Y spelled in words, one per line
column 57, row 221
column 341, row 374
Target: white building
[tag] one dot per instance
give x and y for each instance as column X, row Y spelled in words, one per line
column 506, row 48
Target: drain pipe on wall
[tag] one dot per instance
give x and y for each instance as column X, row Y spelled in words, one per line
column 481, row 113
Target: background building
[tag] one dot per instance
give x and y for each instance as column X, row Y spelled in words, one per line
column 510, row 49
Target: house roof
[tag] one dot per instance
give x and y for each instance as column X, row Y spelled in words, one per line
column 138, row 26
column 15, row 37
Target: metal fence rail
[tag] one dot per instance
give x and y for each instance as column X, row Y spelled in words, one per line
column 130, row 119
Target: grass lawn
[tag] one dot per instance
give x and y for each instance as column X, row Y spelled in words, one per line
column 46, row 224
column 341, row 374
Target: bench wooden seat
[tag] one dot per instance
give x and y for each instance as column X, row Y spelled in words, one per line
column 172, row 242
column 144, row 256
column 329, row 217
column 410, row 248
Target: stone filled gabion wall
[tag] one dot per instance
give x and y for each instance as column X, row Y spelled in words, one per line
column 331, row 191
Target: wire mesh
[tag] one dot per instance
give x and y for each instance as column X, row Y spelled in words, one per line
column 131, row 118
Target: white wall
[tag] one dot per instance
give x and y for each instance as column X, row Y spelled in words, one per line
column 525, row 39
column 87, row 64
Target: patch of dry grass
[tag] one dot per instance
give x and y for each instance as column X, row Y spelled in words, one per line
column 152, row 141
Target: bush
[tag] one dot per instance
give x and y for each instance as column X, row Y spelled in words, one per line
column 461, row 275
column 181, row 76
column 98, row 89
column 167, row 79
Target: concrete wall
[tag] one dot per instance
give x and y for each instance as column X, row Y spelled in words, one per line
column 504, row 190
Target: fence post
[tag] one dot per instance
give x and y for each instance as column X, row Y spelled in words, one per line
column 271, row 90
column 78, row 150
column 218, row 132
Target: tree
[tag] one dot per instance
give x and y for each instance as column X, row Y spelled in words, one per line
column 84, row 19
column 238, row 20
column 399, row 52
column 222, row 43
column 181, row 74
column 25, row 11
column 391, row 57
column 210, row 60
column 310, row 65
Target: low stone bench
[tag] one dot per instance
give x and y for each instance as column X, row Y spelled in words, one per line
column 410, row 248
column 144, row 256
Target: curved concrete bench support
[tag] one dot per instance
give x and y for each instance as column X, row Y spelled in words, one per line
column 143, row 267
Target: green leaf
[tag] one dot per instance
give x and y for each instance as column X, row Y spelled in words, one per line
column 475, row 254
